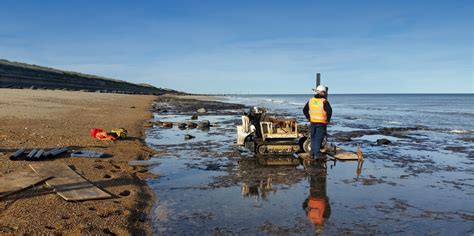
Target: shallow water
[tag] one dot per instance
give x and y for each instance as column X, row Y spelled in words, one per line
column 414, row 185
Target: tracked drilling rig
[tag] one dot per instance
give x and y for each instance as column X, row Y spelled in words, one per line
column 268, row 135
column 271, row 135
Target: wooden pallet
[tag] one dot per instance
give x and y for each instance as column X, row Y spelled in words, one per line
column 16, row 181
column 67, row 183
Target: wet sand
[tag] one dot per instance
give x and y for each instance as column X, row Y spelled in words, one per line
column 48, row 119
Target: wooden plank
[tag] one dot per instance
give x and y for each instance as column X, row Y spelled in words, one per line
column 67, row 183
column 338, row 153
column 344, row 155
column 17, row 181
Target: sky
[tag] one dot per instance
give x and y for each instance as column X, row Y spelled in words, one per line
column 256, row 47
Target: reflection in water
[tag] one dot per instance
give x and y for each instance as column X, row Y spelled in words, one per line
column 359, row 167
column 258, row 190
column 259, row 180
column 317, row 206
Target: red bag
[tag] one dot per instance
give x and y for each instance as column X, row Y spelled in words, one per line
column 94, row 131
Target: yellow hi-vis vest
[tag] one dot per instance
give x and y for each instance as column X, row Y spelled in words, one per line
column 317, row 113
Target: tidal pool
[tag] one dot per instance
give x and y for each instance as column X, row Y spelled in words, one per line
column 210, row 185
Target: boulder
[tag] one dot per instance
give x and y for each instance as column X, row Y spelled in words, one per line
column 201, row 110
column 166, row 124
column 188, row 137
column 191, row 125
column 204, row 124
column 194, row 117
column 383, row 141
column 182, row 125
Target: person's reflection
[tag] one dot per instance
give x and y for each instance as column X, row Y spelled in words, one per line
column 317, row 205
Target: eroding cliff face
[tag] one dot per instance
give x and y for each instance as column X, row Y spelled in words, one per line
column 21, row 75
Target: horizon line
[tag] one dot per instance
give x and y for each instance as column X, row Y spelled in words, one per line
column 240, row 94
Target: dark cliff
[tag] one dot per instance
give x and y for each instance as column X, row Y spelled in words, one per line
column 21, row 75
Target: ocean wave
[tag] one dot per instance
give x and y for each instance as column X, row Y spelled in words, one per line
column 393, row 122
column 461, row 131
column 297, row 103
column 451, row 113
column 275, row 101
column 467, row 114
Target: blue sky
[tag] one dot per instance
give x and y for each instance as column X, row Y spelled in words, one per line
column 251, row 46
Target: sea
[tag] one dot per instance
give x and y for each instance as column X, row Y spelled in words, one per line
column 420, row 183
column 448, row 112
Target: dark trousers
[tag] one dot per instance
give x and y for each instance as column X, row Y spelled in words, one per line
column 318, row 130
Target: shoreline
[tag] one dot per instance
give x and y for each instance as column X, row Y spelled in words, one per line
column 195, row 97
column 184, row 107
column 210, row 165
column 210, row 154
column 48, row 119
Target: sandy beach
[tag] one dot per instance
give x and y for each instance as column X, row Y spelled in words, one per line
column 48, row 119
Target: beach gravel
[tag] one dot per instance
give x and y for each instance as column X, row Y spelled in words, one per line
column 49, row 119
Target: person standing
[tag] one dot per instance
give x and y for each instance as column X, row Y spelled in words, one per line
column 318, row 111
